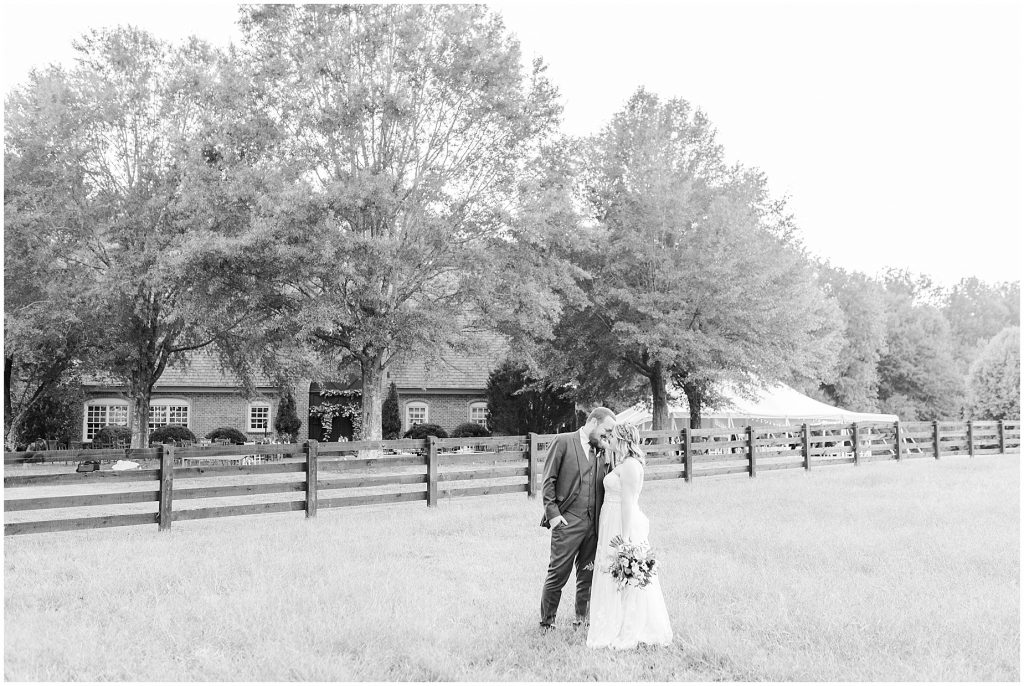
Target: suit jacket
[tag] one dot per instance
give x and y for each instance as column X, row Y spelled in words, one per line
column 562, row 476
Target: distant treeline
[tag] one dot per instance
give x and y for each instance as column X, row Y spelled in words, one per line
column 923, row 351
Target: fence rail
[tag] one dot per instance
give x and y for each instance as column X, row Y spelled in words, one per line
column 326, row 475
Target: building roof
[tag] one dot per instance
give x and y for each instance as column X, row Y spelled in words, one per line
column 202, row 369
column 453, row 369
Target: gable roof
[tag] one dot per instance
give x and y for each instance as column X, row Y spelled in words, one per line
column 201, row 369
column 453, row 369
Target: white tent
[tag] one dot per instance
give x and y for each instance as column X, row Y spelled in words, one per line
column 775, row 406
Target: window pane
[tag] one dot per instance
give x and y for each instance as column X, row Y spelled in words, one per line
column 177, row 415
column 95, row 419
column 478, row 414
column 99, row 415
column 416, row 414
column 259, row 418
column 157, row 416
column 117, row 414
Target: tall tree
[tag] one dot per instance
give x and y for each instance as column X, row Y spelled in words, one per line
column 518, row 403
column 45, row 332
column 692, row 271
column 993, row 385
column 391, row 415
column 918, row 377
column 977, row 311
column 862, row 300
column 402, row 130
column 137, row 206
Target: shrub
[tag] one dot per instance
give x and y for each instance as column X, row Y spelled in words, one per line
column 54, row 415
column 233, row 435
column 390, row 416
column 470, row 429
column 419, row 431
column 287, row 422
column 170, row 434
column 518, row 403
column 113, row 434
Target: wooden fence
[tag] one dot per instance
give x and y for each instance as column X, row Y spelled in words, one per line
column 172, row 484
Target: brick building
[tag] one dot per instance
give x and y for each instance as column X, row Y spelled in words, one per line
column 201, row 396
column 448, row 391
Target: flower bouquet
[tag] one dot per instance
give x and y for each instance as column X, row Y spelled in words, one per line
column 632, row 564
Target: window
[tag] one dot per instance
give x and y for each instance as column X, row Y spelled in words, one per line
column 164, row 411
column 100, row 412
column 259, row 417
column 478, row 413
column 416, row 413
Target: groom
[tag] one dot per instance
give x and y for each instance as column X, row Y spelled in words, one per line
column 573, row 490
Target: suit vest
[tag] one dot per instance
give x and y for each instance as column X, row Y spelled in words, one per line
column 585, row 502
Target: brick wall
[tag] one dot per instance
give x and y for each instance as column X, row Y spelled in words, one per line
column 446, row 410
column 208, row 411
column 213, row 410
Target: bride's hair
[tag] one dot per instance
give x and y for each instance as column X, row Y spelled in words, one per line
column 627, row 444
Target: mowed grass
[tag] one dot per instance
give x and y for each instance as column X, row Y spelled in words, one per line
column 880, row 572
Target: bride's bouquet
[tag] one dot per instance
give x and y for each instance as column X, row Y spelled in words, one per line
column 632, row 564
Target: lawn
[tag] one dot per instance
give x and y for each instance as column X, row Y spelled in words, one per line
column 880, row 572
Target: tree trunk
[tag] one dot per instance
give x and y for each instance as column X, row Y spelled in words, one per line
column 140, row 416
column 12, row 422
column 373, row 397
column 695, row 399
column 8, row 375
column 659, row 391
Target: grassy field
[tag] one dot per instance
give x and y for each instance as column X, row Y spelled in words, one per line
column 881, row 572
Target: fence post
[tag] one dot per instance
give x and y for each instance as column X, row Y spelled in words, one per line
column 750, row 449
column 1002, row 438
column 431, row 471
column 856, row 444
column 970, row 437
column 311, row 478
column 166, row 487
column 687, row 456
column 806, row 431
column 899, row 442
column 935, row 437
column 531, row 466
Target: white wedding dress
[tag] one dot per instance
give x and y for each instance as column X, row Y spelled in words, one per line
column 623, row 619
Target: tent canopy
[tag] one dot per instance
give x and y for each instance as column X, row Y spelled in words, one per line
column 778, row 405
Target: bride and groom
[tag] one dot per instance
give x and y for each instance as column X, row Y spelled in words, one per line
column 592, row 483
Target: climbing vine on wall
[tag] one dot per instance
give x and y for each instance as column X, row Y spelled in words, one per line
column 348, row 404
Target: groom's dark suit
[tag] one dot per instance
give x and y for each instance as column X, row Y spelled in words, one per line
column 573, row 488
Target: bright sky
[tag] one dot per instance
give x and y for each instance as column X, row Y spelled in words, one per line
column 895, row 127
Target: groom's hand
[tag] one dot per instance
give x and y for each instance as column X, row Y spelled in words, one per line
column 557, row 521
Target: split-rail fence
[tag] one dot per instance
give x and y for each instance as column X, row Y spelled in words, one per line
column 173, row 484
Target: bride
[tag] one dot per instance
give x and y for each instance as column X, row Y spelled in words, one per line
column 623, row 619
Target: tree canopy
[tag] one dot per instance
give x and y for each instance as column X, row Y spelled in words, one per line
column 993, row 384
column 691, row 271
column 917, row 372
column 353, row 185
column 862, row 301
column 401, row 131
column 518, row 403
column 114, row 186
